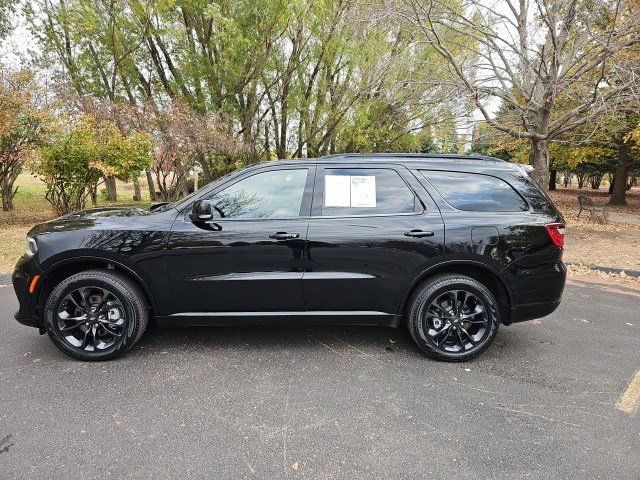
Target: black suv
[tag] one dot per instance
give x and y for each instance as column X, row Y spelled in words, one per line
column 448, row 246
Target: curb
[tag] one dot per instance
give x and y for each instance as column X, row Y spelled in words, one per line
column 598, row 268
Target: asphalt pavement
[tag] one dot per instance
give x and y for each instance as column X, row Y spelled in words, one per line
column 328, row 402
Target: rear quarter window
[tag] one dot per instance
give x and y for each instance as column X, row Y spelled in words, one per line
column 538, row 200
column 473, row 192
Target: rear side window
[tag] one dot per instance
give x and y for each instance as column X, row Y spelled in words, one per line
column 366, row 191
column 473, row 192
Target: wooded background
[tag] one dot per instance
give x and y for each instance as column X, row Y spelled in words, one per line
column 164, row 88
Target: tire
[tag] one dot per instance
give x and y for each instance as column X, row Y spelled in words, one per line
column 96, row 315
column 431, row 309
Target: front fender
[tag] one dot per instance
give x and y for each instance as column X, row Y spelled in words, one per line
column 152, row 285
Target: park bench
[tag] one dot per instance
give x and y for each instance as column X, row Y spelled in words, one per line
column 587, row 204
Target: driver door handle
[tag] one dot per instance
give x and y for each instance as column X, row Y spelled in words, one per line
column 284, row 236
column 419, row 233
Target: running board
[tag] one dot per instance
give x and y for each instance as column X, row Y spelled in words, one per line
column 318, row 317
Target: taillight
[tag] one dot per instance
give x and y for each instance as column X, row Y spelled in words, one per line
column 556, row 233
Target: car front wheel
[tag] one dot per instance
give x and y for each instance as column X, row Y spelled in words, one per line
column 453, row 317
column 96, row 315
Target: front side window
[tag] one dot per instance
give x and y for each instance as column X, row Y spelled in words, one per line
column 474, row 192
column 366, row 191
column 272, row 194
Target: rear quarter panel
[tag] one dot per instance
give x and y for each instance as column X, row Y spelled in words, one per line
column 515, row 244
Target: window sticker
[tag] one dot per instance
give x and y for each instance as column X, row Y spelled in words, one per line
column 349, row 191
column 363, row 191
column 337, row 192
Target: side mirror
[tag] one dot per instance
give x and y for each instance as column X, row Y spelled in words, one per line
column 201, row 211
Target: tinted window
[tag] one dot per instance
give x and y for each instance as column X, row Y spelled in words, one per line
column 538, row 200
column 474, row 192
column 366, row 191
column 272, row 194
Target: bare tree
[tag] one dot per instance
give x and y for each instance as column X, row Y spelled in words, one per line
column 185, row 138
column 554, row 65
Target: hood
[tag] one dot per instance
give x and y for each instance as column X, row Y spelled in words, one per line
column 106, row 212
column 108, row 217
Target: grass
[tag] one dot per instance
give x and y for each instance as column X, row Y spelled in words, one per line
column 612, row 244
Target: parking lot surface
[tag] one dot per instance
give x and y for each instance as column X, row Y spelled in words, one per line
column 330, row 402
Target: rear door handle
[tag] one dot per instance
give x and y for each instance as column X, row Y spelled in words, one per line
column 284, row 236
column 419, row 233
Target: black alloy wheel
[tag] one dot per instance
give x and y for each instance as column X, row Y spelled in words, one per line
column 453, row 317
column 455, row 321
column 96, row 315
column 91, row 318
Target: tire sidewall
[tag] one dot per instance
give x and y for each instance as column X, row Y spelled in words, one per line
column 110, row 282
column 437, row 286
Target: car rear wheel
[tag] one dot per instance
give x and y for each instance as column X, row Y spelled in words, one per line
column 96, row 315
column 453, row 317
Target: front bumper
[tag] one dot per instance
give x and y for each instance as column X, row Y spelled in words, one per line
column 24, row 272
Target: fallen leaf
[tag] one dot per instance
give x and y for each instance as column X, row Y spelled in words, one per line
column 537, row 321
column 467, row 369
column 295, row 466
column 584, row 320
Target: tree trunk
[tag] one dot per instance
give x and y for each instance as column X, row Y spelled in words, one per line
column 621, row 176
column 137, row 194
column 539, row 160
column 181, row 177
column 93, row 193
column 581, row 178
column 7, row 192
column 152, row 188
column 112, row 194
column 206, row 171
column 553, row 176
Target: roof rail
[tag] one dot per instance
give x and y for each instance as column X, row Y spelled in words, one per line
column 415, row 155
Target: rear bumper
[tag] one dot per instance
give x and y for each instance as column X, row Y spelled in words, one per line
column 538, row 291
column 522, row 313
column 27, row 313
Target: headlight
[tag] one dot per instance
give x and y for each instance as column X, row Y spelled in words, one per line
column 32, row 247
